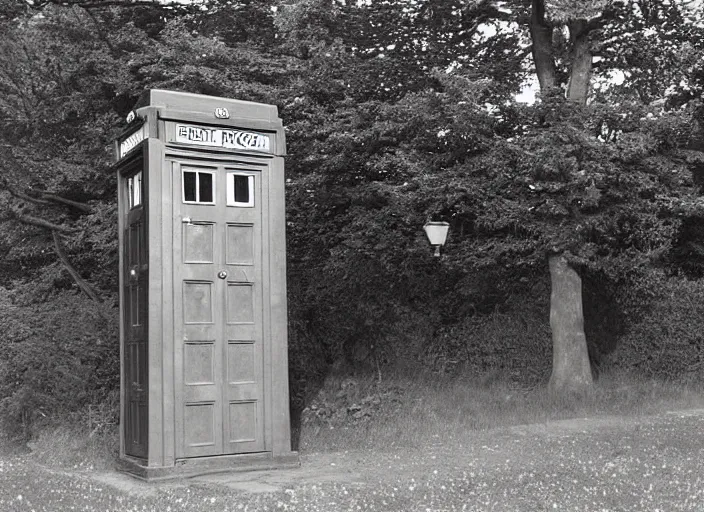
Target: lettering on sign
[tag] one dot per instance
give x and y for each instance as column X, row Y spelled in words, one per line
column 198, row 135
column 133, row 140
column 231, row 139
column 245, row 140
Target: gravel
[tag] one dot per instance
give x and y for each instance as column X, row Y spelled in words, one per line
column 599, row 464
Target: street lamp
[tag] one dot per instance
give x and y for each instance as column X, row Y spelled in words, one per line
column 437, row 234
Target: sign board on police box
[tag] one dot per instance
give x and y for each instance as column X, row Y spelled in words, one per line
column 132, row 140
column 216, row 137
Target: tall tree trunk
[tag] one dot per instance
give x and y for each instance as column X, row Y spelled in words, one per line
column 581, row 56
column 541, row 35
column 571, row 373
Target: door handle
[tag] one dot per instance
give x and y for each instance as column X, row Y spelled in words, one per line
column 222, row 274
column 186, row 220
column 134, row 274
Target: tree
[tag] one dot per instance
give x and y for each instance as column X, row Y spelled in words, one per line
column 593, row 180
column 587, row 24
column 595, row 188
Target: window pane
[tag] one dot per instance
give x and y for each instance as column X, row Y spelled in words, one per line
column 206, row 187
column 241, row 184
column 137, row 189
column 189, row 186
column 134, row 190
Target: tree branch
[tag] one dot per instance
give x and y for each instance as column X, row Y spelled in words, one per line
column 82, row 284
column 41, row 223
column 74, row 204
column 55, row 230
column 47, row 198
column 599, row 22
column 25, row 197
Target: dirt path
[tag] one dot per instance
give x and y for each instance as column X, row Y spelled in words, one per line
column 598, row 464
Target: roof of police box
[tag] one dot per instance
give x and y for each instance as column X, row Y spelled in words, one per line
column 190, row 102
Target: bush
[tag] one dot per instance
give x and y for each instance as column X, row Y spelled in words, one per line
column 57, row 358
column 668, row 342
column 511, row 344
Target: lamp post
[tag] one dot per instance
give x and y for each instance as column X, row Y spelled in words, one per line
column 437, row 234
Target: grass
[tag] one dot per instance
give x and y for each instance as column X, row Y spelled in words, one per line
column 359, row 414
column 407, row 411
column 86, row 439
column 75, row 446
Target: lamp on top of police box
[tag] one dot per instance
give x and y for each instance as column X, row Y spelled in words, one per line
column 437, row 234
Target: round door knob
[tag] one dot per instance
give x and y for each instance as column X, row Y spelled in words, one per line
column 222, row 274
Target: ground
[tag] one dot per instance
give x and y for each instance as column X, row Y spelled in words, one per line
column 653, row 463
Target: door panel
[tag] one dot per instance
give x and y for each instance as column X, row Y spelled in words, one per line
column 218, row 317
column 240, row 245
column 198, row 243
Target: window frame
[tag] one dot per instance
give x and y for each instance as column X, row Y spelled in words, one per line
column 198, row 172
column 230, row 183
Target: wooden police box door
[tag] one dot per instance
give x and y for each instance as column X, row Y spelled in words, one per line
column 135, row 362
column 218, row 352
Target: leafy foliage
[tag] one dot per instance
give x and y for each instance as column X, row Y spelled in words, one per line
column 653, row 45
column 667, row 342
column 566, row 10
column 397, row 113
column 49, row 367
